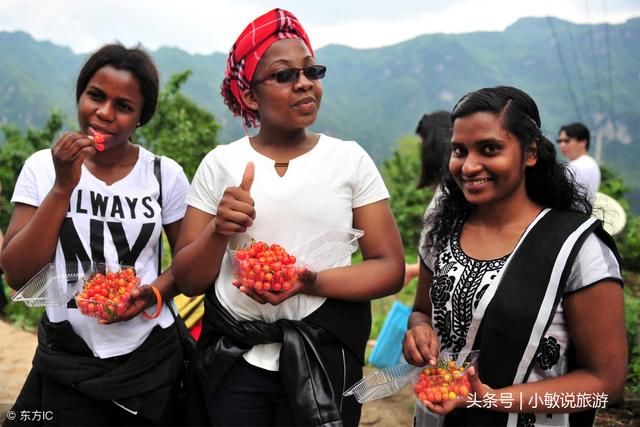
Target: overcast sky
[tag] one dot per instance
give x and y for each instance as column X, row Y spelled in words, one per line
column 199, row 26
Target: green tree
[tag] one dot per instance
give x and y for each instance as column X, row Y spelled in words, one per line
column 180, row 129
column 15, row 150
column 628, row 240
column 612, row 185
column 408, row 203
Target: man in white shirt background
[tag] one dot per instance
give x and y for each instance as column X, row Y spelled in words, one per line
column 573, row 140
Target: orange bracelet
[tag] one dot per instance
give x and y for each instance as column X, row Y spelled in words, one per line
column 158, row 305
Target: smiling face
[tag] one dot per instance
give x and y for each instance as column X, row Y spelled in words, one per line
column 487, row 161
column 291, row 105
column 111, row 104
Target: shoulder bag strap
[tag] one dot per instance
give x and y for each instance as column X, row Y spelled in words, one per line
column 158, row 174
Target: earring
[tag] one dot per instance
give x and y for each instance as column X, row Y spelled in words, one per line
column 138, row 124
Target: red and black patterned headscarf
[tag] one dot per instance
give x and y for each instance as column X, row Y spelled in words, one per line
column 247, row 51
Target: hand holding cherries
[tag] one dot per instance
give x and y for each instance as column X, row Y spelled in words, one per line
column 264, row 267
column 106, row 296
column 443, row 382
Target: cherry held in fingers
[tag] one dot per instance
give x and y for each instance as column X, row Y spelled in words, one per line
column 99, row 140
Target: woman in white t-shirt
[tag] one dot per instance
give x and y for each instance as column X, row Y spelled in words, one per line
column 93, row 199
column 514, row 266
column 283, row 358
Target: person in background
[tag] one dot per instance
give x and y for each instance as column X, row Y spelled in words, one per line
column 283, row 358
column 514, row 266
column 83, row 202
column 434, row 130
column 573, row 140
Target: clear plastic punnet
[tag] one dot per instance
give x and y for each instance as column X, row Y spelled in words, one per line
column 384, row 382
column 270, row 267
column 328, row 249
column 428, row 382
column 50, row 287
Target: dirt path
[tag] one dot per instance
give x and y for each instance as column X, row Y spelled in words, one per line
column 16, row 353
column 392, row 411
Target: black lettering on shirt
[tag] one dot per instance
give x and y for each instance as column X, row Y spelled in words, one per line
column 126, row 255
column 79, row 207
column 116, row 208
column 146, row 203
column 99, row 204
column 96, row 238
column 132, row 206
column 72, row 247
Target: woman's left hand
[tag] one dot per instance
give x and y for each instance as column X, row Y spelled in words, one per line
column 141, row 298
column 306, row 278
column 478, row 392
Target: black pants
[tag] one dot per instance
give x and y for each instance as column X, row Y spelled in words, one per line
column 65, row 405
column 251, row 396
column 68, row 407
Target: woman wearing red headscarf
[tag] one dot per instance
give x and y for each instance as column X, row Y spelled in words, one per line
column 284, row 358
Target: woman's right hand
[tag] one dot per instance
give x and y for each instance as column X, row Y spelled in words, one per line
column 68, row 154
column 420, row 345
column 236, row 210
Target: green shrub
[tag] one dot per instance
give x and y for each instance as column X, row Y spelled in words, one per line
column 408, row 203
column 23, row 317
column 629, row 245
column 632, row 320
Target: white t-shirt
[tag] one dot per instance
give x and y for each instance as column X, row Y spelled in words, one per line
column 124, row 218
column 587, row 173
column 318, row 192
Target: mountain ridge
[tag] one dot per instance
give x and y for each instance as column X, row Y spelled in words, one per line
column 575, row 72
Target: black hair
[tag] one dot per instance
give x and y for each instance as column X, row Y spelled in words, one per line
column 547, row 182
column 134, row 60
column 435, row 131
column 578, row 131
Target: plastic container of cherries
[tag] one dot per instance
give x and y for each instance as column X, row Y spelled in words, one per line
column 106, row 290
column 272, row 268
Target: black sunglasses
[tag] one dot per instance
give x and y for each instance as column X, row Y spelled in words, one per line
column 290, row 75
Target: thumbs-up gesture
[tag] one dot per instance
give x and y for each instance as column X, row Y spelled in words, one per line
column 236, row 212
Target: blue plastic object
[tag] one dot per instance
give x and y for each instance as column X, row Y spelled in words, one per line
column 388, row 348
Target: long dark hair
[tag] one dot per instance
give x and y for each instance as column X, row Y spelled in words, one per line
column 435, row 131
column 547, row 182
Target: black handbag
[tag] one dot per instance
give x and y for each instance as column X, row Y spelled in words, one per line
column 188, row 346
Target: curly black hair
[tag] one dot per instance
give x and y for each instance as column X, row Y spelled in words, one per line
column 548, row 183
